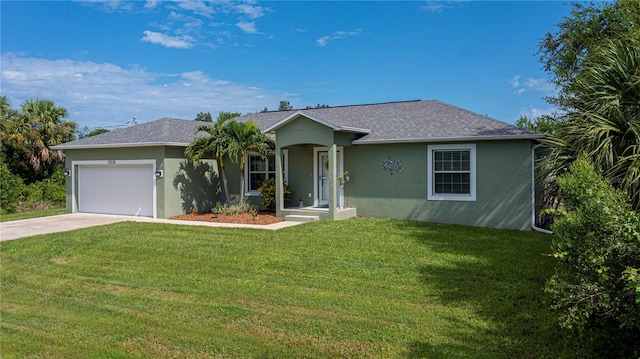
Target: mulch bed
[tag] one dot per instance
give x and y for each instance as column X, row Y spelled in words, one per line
column 243, row 218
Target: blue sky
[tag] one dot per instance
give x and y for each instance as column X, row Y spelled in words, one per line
column 107, row 61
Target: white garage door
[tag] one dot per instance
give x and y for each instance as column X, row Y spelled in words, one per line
column 115, row 189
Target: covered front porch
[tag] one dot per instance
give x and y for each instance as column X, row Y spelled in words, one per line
column 314, row 169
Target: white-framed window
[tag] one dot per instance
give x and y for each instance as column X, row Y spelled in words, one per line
column 451, row 172
column 258, row 169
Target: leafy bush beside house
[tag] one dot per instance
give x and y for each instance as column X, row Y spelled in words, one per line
column 595, row 288
column 11, row 189
column 268, row 192
column 15, row 196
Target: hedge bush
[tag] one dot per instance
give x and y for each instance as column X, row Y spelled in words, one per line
column 12, row 190
column 595, row 288
column 268, row 192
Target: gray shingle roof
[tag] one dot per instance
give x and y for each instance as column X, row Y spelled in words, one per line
column 408, row 121
column 162, row 132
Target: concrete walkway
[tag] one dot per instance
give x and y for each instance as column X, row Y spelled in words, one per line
column 67, row 222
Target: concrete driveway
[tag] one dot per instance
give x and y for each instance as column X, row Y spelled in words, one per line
column 70, row 221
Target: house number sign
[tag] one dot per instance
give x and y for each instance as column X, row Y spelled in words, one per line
column 111, row 162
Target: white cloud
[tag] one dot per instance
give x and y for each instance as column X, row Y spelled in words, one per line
column 198, row 7
column 182, row 42
column 252, row 11
column 435, row 6
column 104, row 94
column 521, row 86
column 322, row 41
column 438, row 6
column 534, row 112
column 109, row 5
column 248, row 27
column 151, row 4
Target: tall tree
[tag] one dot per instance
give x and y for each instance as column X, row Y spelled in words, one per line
column 603, row 117
column 562, row 53
column 318, row 106
column 285, row 106
column 214, row 143
column 224, row 116
column 245, row 138
column 203, row 117
column 38, row 126
column 594, row 61
column 543, row 124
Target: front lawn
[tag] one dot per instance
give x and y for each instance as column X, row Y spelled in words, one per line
column 361, row 288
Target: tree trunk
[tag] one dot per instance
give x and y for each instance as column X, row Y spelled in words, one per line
column 225, row 185
column 242, row 183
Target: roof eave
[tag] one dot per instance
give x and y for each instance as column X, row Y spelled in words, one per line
column 449, row 139
column 291, row 117
column 120, row 145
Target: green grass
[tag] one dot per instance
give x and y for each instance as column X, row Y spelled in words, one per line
column 31, row 214
column 362, row 288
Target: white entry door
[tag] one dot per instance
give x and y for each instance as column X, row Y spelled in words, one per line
column 321, row 172
column 323, row 178
column 116, row 189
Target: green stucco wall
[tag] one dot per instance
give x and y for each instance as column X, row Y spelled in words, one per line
column 304, row 130
column 503, row 185
column 503, row 177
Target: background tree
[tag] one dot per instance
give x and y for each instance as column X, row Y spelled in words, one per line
column 593, row 60
column 563, row 53
column 224, row 116
column 32, row 132
column 544, row 124
column 85, row 132
column 203, row 117
column 285, row 106
column 32, row 174
column 603, row 116
column 318, row 106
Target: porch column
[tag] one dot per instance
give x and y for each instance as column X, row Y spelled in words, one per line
column 333, row 194
column 279, row 181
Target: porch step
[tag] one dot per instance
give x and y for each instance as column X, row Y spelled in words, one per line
column 301, row 218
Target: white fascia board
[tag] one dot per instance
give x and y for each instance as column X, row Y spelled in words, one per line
column 120, row 145
column 353, row 129
column 448, row 139
column 293, row 116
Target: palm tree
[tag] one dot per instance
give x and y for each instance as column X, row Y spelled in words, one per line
column 216, row 144
column 245, row 138
column 602, row 118
column 32, row 131
column 49, row 128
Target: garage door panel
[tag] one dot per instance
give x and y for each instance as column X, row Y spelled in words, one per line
column 124, row 190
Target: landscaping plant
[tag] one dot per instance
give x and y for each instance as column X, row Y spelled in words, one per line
column 268, row 192
column 595, row 288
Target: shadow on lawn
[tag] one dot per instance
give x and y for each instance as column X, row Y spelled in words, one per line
column 496, row 275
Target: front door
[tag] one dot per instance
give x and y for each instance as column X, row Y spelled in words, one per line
column 323, row 178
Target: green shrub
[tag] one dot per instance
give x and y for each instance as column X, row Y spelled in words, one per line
column 235, row 208
column 595, row 287
column 268, row 192
column 49, row 191
column 12, row 189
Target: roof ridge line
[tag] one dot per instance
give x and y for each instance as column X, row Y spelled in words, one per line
column 340, row 106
